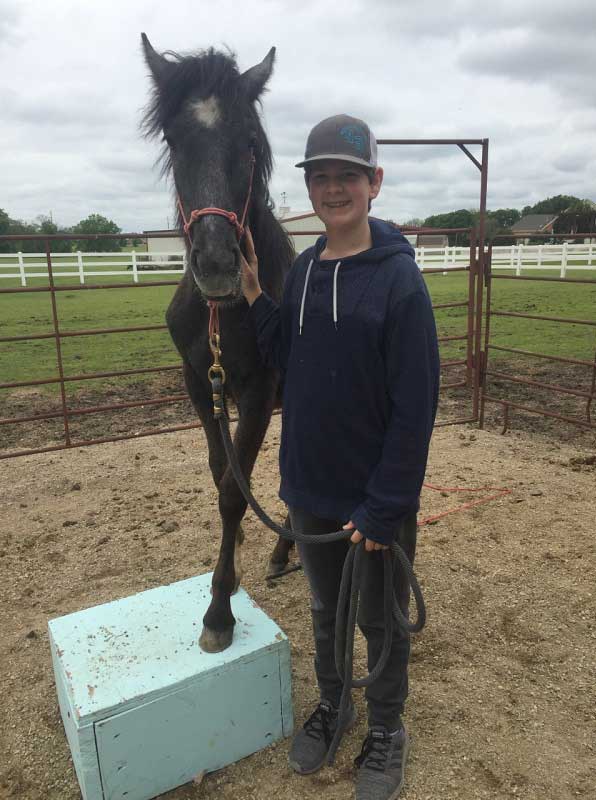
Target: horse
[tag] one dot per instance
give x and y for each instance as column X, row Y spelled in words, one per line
column 220, row 159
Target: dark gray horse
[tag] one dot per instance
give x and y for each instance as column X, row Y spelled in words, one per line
column 205, row 110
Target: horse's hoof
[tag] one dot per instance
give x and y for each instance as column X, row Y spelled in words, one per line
column 215, row 641
column 276, row 568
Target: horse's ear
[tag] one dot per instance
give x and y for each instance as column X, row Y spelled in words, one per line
column 158, row 65
column 255, row 78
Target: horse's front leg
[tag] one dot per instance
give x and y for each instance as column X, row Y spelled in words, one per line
column 255, row 409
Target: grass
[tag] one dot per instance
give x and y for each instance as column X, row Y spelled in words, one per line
column 24, row 314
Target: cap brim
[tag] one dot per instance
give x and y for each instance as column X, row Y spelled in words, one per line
column 337, row 157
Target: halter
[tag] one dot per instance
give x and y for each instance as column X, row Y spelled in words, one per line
column 231, row 216
column 195, row 214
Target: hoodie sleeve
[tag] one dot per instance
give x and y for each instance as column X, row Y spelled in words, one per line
column 412, row 372
column 272, row 324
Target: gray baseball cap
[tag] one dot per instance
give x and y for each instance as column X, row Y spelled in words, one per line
column 342, row 138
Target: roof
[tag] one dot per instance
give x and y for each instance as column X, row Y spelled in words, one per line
column 534, row 222
column 431, row 239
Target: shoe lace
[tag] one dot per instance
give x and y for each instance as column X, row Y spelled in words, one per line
column 374, row 751
column 318, row 725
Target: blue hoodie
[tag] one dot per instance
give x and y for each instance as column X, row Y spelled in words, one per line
column 356, row 343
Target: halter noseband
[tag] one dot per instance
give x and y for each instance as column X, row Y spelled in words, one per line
column 232, row 218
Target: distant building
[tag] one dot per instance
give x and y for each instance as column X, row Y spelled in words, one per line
column 532, row 224
column 308, row 221
column 172, row 246
column 432, row 240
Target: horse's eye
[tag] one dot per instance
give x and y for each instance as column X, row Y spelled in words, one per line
column 252, row 140
column 168, row 140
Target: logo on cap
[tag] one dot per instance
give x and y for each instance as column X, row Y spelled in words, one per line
column 354, row 135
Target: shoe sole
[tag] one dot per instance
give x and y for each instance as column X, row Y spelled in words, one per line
column 301, row 771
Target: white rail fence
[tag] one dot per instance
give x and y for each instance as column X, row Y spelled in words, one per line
column 81, row 266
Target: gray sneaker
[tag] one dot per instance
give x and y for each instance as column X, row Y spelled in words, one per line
column 382, row 764
column 311, row 743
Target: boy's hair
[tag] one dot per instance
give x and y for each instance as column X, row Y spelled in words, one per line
column 368, row 171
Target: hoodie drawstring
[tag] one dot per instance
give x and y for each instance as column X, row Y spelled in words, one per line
column 304, row 296
column 335, row 294
column 303, row 302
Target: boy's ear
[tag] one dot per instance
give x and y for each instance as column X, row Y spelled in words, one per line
column 376, row 182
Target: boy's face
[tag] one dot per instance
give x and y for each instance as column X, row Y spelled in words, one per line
column 340, row 192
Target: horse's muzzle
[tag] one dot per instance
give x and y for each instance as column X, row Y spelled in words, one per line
column 216, row 273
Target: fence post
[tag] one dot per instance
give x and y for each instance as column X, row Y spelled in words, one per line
column 446, row 258
column 512, row 259
column 518, row 268
column 590, row 253
column 421, row 260
column 81, row 267
column 135, row 274
column 22, row 269
column 564, row 260
column 539, row 264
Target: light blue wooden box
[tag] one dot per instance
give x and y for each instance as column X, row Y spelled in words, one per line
column 145, row 709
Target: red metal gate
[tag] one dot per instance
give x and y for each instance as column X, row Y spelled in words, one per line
column 586, row 369
column 468, row 382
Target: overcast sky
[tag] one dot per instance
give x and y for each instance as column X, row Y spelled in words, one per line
column 521, row 73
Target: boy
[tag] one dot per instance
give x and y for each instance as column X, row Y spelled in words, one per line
column 355, row 339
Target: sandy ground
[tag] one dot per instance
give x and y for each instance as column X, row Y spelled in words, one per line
column 503, row 679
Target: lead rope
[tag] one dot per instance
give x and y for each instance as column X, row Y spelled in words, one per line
column 349, row 592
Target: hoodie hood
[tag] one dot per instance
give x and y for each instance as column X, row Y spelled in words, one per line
column 387, row 241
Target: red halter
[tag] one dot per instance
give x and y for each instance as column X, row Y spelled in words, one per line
column 233, row 220
column 220, row 212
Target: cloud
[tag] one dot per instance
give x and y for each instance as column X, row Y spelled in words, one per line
column 73, row 83
column 10, row 15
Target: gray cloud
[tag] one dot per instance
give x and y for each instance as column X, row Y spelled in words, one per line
column 71, row 97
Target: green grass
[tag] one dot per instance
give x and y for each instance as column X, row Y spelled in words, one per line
column 24, row 314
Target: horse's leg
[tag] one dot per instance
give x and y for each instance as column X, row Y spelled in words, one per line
column 281, row 552
column 255, row 409
column 201, row 397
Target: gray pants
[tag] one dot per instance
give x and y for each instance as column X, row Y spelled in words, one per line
column 323, row 568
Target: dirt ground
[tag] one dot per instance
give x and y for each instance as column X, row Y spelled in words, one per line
column 503, row 678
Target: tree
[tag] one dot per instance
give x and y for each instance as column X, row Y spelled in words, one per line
column 415, row 222
column 580, row 217
column 552, row 205
column 453, row 219
column 5, row 247
column 95, row 223
column 505, row 217
column 17, row 226
column 48, row 226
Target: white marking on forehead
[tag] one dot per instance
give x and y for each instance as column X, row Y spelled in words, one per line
column 207, row 111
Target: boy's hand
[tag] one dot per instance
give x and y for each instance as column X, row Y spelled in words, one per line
column 249, row 270
column 356, row 537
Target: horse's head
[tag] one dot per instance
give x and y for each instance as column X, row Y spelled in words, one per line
column 205, row 110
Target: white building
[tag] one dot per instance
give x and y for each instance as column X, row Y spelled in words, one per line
column 303, row 225
column 170, row 246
